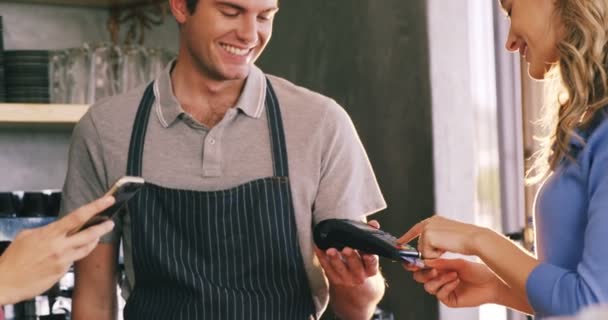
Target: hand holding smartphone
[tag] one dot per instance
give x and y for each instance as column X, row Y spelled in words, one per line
column 122, row 190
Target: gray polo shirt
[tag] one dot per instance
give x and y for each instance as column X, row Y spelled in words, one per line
column 331, row 176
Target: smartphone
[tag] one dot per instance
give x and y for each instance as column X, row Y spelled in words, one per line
column 122, row 190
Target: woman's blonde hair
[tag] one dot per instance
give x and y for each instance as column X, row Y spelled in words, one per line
column 579, row 80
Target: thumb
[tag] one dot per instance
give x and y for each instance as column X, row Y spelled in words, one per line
column 75, row 220
column 374, row 223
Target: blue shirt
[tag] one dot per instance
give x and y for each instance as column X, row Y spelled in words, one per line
column 571, row 219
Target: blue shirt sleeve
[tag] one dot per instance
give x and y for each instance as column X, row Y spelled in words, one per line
column 553, row 290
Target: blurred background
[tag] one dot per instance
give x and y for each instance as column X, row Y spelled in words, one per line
column 443, row 111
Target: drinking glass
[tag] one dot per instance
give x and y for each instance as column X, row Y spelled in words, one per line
column 132, row 67
column 78, row 73
column 103, row 80
column 58, row 76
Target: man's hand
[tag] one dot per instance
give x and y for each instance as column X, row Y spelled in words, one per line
column 348, row 267
column 356, row 285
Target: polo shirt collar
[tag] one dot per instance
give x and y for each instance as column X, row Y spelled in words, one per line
column 168, row 109
column 252, row 99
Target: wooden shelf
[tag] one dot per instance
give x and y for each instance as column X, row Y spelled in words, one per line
column 31, row 113
column 91, row 3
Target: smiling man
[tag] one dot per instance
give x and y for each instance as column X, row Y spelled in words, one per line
column 238, row 165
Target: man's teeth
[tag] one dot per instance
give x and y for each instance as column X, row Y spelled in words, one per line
column 235, row 51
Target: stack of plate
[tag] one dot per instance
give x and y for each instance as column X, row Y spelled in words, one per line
column 2, row 82
column 27, row 76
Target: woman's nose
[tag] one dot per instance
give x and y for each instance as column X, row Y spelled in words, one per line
column 512, row 43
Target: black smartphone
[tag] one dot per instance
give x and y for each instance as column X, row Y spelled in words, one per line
column 122, row 190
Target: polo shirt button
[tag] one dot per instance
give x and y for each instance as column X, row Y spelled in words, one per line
column 212, row 141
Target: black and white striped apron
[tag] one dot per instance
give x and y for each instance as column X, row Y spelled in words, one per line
column 229, row 254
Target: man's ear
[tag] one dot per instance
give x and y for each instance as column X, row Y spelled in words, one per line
column 179, row 9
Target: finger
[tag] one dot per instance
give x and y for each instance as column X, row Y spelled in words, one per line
column 425, row 275
column 91, row 234
column 337, row 264
column 371, row 264
column 374, row 223
column 433, row 286
column 444, row 264
column 427, row 251
column 81, row 252
column 410, row 267
column 323, row 258
column 75, row 220
column 330, row 273
column 445, row 292
column 354, row 265
column 320, row 253
column 431, row 253
column 413, row 232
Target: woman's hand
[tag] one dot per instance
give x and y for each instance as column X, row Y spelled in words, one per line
column 473, row 283
column 39, row 257
column 459, row 283
column 438, row 235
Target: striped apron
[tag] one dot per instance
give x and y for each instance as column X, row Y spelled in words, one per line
column 229, row 254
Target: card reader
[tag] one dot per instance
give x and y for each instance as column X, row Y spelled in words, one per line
column 340, row 233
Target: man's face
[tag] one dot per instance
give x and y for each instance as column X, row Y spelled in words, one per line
column 225, row 37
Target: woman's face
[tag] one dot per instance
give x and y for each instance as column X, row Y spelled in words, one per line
column 534, row 32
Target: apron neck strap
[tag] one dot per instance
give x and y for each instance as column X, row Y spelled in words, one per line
column 277, row 134
column 138, row 135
